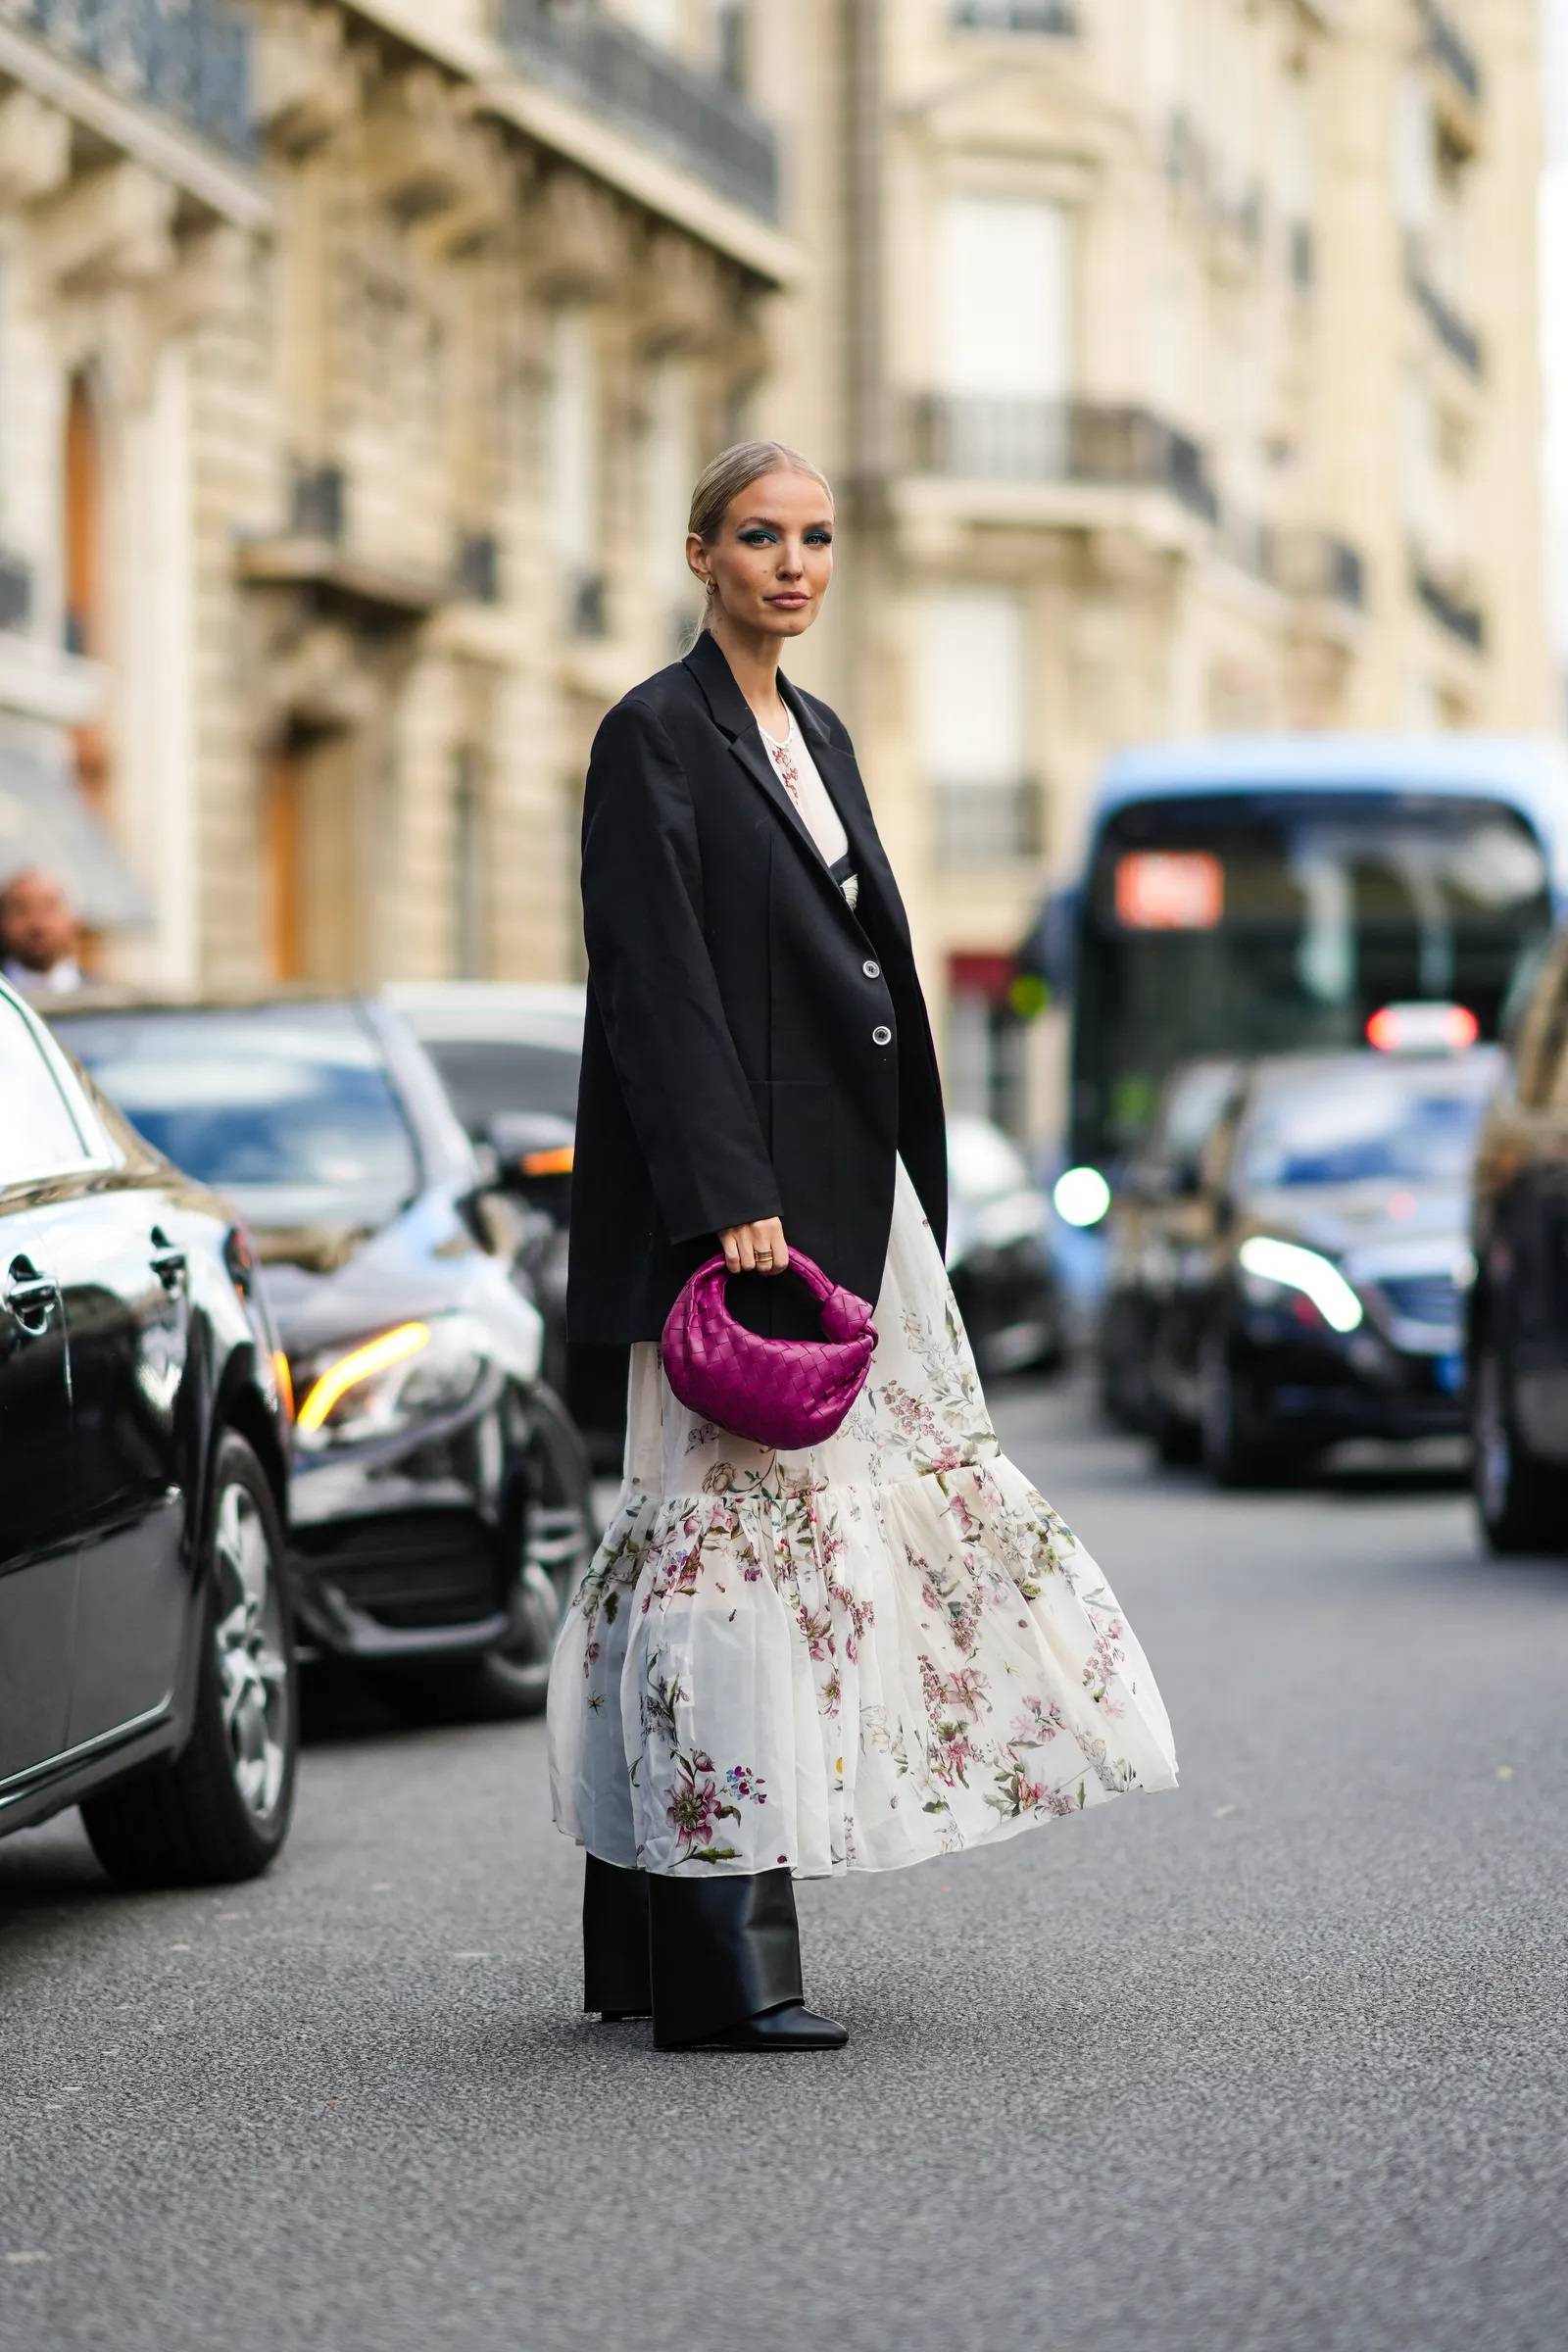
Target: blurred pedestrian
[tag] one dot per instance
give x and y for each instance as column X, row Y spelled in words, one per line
column 40, row 934
column 887, row 1645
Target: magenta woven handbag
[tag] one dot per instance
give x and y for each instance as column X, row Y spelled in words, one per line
column 783, row 1393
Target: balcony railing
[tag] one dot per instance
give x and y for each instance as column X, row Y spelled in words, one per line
column 188, row 58
column 986, row 438
column 1450, row 49
column 16, row 591
column 1456, row 335
column 985, row 825
column 695, row 119
column 1317, row 564
column 1014, row 15
column 1461, row 619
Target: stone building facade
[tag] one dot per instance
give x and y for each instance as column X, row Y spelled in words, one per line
column 398, row 392
column 1186, row 380
column 1176, row 362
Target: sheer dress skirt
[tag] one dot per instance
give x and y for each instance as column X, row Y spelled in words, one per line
column 851, row 1657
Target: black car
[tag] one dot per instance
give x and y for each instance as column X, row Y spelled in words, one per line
column 1158, row 1199
column 1517, row 1327
column 999, row 1257
column 1309, row 1285
column 440, row 1495
column 146, row 1667
column 508, row 1056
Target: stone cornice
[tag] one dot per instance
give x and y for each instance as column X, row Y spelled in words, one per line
column 609, row 152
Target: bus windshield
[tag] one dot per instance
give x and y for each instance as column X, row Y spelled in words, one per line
column 1261, row 923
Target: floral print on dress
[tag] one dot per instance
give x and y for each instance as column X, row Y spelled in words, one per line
column 852, row 1658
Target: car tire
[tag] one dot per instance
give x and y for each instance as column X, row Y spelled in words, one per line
column 557, row 1539
column 1229, row 1447
column 220, row 1810
column 1521, row 1501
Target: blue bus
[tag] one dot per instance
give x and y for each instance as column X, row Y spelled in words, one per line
column 1256, row 895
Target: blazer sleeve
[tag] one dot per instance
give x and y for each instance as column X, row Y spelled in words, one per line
column 653, row 983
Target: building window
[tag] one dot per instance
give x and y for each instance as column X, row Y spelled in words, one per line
column 729, row 42
column 471, row 901
column 670, row 469
column 657, row 19
column 574, row 444
column 1006, row 300
column 972, row 719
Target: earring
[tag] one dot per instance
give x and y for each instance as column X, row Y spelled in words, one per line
column 711, row 587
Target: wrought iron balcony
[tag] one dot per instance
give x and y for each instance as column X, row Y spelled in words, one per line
column 1013, row 15
column 15, row 590
column 982, row 437
column 986, row 824
column 188, row 58
column 1461, row 619
column 1451, row 50
column 695, row 117
column 1456, row 335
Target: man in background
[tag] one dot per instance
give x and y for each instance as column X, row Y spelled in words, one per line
column 39, row 934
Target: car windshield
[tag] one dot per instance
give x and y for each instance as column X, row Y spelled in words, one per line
column 1404, row 1130
column 288, row 1108
column 487, row 1075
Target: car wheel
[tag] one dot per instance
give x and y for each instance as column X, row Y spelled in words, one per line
column 1231, row 1451
column 1521, row 1501
column 559, row 1533
column 220, row 1810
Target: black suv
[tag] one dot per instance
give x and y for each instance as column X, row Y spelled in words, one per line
column 146, row 1665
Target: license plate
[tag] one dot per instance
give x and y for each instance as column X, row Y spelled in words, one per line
column 1448, row 1373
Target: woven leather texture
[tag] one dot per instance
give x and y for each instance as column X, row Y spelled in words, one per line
column 787, row 1394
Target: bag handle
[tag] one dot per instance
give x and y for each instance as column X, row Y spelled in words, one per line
column 845, row 1315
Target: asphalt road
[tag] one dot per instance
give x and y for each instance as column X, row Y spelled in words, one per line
column 1278, row 2061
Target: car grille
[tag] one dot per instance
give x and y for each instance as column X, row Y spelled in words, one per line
column 411, row 1573
column 1423, row 1297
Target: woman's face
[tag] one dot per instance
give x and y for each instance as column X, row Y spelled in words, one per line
column 774, row 556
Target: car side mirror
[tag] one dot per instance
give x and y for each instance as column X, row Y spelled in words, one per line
column 532, row 1153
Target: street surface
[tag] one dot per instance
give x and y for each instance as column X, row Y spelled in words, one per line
column 1278, row 2061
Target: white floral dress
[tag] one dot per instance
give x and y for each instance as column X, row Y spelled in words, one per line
column 851, row 1657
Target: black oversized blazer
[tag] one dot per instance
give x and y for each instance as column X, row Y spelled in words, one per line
column 753, row 1047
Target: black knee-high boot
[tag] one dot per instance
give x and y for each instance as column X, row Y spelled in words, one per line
column 726, row 1966
column 614, row 1941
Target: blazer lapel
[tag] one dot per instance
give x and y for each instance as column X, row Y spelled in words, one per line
column 735, row 717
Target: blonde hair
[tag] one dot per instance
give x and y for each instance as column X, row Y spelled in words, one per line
column 725, row 476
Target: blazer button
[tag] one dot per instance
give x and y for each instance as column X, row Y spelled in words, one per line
column 881, row 1035
column 871, row 969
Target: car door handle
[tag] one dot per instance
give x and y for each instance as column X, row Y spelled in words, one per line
column 32, row 1297
column 168, row 1263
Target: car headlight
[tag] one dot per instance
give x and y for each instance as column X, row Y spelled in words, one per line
column 1269, row 1267
column 411, row 1373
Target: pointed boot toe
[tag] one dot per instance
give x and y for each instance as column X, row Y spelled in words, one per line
column 792, row 2027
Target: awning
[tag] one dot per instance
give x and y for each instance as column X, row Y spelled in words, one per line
column 45, row 820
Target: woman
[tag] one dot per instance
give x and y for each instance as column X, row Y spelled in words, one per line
column 886, row 1646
